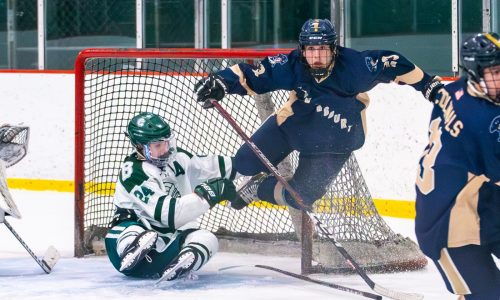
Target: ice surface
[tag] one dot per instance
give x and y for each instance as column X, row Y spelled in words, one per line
column 48, row 220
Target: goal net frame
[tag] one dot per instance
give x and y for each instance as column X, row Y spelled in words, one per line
column 355, row 206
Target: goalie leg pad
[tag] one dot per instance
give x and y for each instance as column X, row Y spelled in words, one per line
column 7, row 203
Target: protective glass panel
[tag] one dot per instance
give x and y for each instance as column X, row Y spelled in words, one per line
column 420, row 30
column 76, row 25
column 272, row 24
column 18, row 34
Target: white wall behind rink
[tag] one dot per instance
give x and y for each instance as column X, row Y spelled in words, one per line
column 397, row 129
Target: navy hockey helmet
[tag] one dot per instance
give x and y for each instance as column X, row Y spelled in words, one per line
column 146, row 129
column 479, row 52
column 318, row 32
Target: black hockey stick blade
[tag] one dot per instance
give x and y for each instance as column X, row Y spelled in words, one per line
column 379, row 289
column 321, row 282
column 308, row 279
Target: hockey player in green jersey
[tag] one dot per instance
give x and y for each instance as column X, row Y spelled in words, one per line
column 160, row 192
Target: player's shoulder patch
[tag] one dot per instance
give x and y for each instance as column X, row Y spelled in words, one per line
column 279, row 59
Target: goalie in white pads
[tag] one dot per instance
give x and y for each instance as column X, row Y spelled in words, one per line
column 13, row 147
column 160, row 192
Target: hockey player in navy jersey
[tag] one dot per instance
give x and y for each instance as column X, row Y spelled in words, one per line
column 458, row 184
column 324, row 116
column 160, row 192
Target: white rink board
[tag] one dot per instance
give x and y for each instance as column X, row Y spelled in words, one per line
column 397, row 128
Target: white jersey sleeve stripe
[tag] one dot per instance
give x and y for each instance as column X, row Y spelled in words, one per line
column 171, row 213
column 159, row 208
column 222, row 166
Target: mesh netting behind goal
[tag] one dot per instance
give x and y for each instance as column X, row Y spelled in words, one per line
column 114, row 85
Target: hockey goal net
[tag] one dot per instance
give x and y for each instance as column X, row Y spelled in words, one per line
column 112, row 85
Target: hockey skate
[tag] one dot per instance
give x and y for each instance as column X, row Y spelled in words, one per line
column 138, row 249
column 180, row 266
column 247, row 190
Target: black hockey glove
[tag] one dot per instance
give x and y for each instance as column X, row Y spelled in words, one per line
column 431, row 89
column 216, row 190
column 211, row 87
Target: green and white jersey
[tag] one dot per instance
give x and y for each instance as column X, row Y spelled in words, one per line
column 165, row 198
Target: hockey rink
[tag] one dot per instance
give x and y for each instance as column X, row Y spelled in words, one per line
column 48, row 220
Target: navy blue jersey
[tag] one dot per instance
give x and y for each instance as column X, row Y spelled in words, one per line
column 458, row 185
column 324, row 115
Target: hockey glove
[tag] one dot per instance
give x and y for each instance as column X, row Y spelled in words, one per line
column 211, row 87
column 216, row 190
column 431, row 89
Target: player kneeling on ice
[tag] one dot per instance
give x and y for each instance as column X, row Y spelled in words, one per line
column 160, row 192
column 458, row 184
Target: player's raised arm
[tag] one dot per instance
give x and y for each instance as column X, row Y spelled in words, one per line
column 390, row 66
column 272, row 73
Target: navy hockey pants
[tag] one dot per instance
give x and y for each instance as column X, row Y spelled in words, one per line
column 315, row 171
column 471, row 271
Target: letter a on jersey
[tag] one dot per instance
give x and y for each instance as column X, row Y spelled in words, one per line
column 178, row 169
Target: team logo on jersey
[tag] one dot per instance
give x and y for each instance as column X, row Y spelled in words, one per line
column 495, row 127
column 371, row 64
column 259, row 70
column 390, row 61
column 280, row 59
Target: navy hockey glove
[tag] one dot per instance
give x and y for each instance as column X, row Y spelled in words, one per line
column 211, row 87
column 431, row 89
column 216, row 190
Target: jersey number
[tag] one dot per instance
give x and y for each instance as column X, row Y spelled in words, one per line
column 425, row 176
column 143, row 193
column 127, row 170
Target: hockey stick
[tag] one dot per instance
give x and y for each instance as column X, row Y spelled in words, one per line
column 322, row 228
column 51, row 255
column 308, row 279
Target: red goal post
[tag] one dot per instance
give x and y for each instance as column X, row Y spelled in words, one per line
column 111, row 85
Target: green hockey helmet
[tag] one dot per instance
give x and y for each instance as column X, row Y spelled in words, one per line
column 147, row 127
column 152, row 137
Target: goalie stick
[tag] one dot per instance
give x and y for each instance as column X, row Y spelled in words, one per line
column 308, row 279
column 49, row 259
column 8, row 208
column 393, row 294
